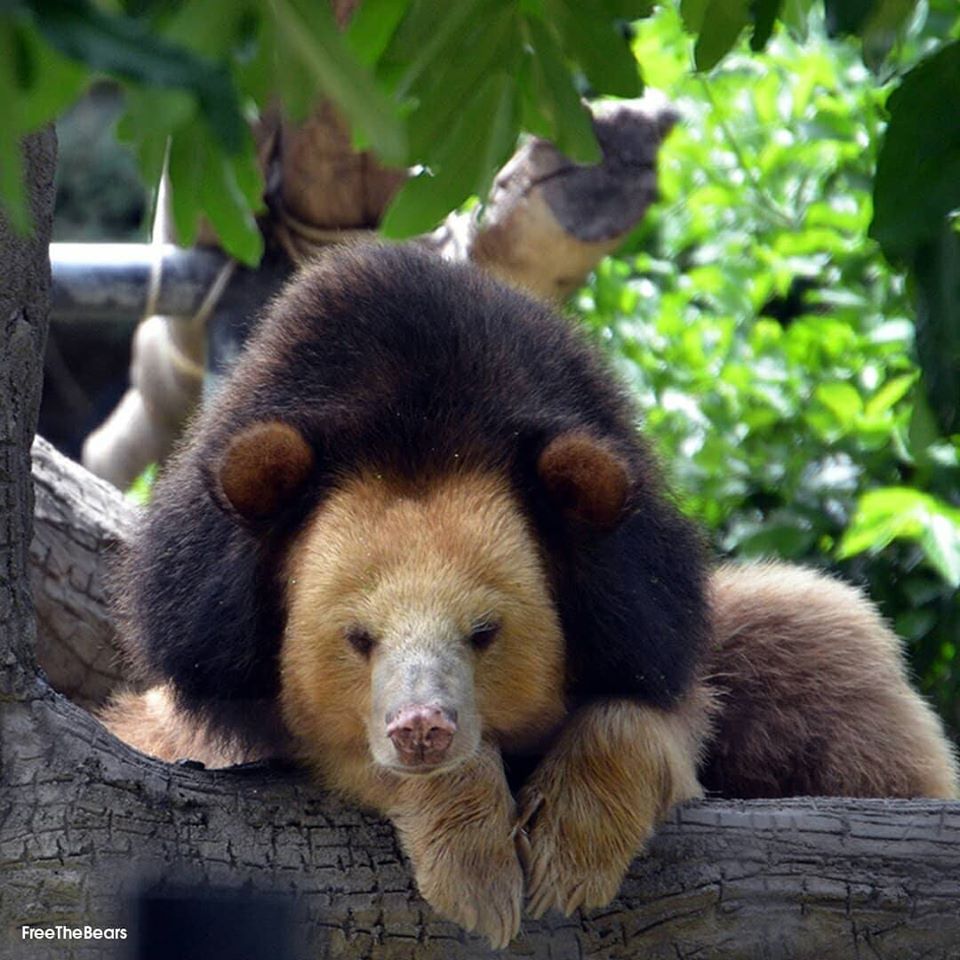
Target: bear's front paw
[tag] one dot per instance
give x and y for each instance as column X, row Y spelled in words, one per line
column 475, row 881
column 575, row 851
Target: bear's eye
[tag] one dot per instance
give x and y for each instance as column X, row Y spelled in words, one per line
column 361, row 639
column 483, row 632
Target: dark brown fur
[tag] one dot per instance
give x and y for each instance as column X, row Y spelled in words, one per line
column 813, row 694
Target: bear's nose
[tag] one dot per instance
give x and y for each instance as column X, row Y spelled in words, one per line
column 421, row 733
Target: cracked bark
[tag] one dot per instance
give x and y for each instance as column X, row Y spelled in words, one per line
column 83, row 819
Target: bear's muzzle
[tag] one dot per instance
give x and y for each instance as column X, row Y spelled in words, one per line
column 421, row 733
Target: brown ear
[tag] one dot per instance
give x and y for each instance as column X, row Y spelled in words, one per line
column 263, row 467
column 585, row 478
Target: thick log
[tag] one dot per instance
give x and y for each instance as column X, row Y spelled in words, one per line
column 83, row 820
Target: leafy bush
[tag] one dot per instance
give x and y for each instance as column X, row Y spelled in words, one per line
column 772, row 345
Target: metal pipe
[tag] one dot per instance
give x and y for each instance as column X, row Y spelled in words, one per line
column 111, row 281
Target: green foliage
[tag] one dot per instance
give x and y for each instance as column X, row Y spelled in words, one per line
column 772, row 344
column 444, row 87
column 917, row 195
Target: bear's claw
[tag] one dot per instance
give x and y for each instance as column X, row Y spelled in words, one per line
column 569, row 861
column 480, row 890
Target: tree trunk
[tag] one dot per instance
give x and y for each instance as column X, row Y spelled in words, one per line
column 84, row 820
column 24, row 314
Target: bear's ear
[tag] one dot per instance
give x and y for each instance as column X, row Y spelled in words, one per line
column 263, row 468
column 585, row 478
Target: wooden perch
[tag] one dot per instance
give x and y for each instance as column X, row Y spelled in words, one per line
column 548, row 221
column 83, row 819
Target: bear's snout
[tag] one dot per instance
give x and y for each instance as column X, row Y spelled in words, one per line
column 421, row 733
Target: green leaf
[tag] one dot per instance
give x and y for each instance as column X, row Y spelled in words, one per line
column 311, row 36
column 13, row 198
column 842, row 400
column 149, row 118
column 883, row 28
column 591, row 38
column 937, row 270
column 372, row 26
column 442, row 91
column 693, row 13
column 478, row 144
column 892, row 513
column 227, row 201
column 54, row 81
column 225, row 188
column 941, row 544
column 918, row 170
column 432, row 26
column 722, row 22
column 764, row 13
column 890, row 394
column 570, row 122
column 140, row 491
column 127, row 49
column 186, row 174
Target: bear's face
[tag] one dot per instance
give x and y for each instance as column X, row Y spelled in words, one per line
column 418, row 621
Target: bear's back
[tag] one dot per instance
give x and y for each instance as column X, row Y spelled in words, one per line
column 389, row 355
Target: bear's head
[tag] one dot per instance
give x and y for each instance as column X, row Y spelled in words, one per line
column 420, row 615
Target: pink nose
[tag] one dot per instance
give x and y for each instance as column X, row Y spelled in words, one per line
column 421, row 734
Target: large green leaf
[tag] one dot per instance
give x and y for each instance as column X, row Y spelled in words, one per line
column 480, row 141
column 570, row 123
column 126, row 48
column 51, row 82
column 903, row 513
column 936, row 267
column 721, row 23
column 918, row 171
column 487, row 47
column 765, row 14
column 432, row 27
column 590, row 36
column 310, row 34
column 372, row 26
column 226, row 188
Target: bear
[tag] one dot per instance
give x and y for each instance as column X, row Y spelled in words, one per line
column 418, row 543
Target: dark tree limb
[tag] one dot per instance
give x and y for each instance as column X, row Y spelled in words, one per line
column 83, row 819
